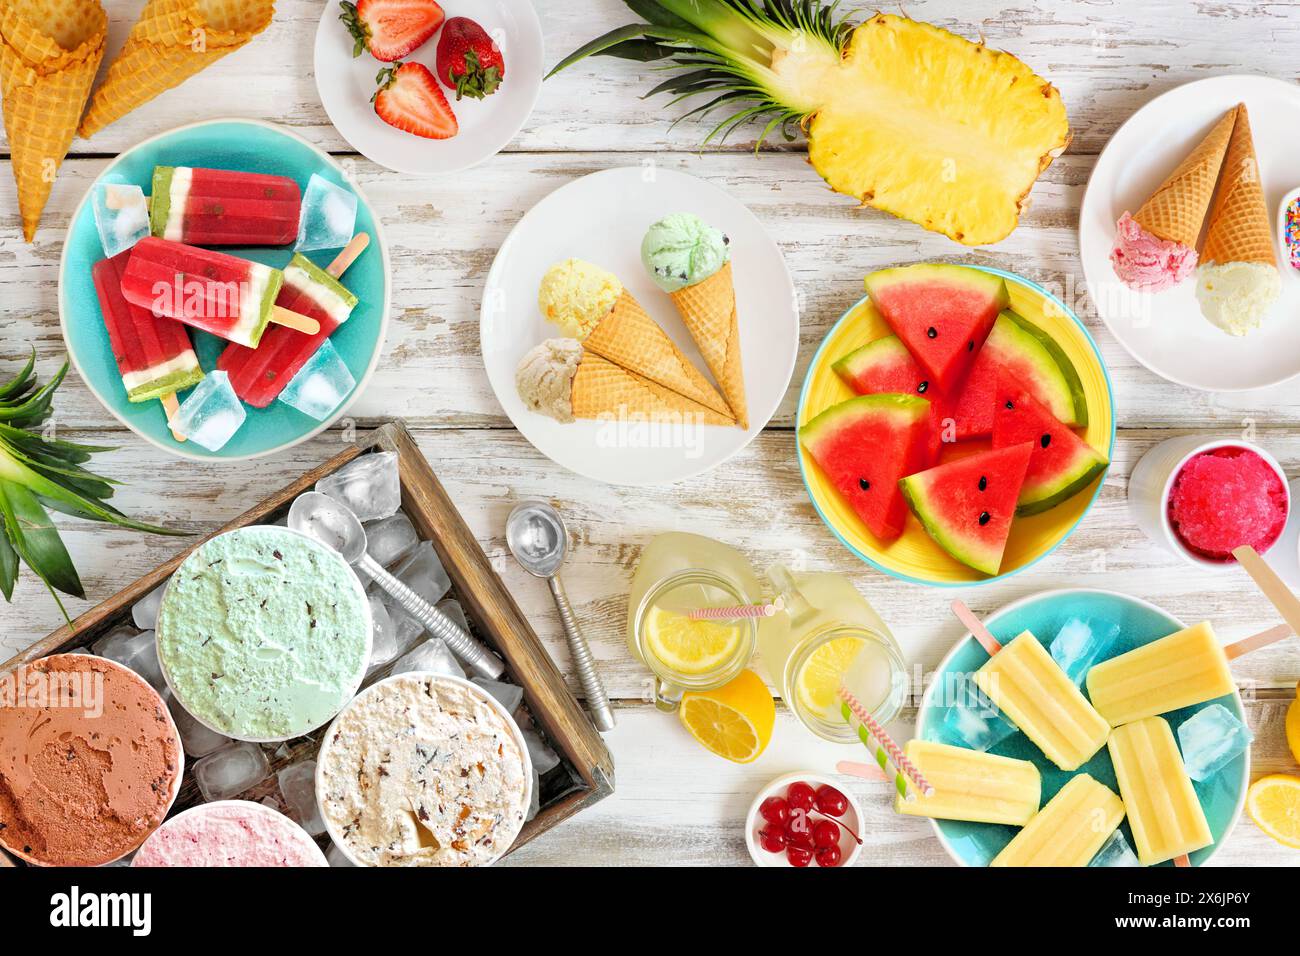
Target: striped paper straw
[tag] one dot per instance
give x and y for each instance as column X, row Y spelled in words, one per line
column 887, row 752
column 737, row 612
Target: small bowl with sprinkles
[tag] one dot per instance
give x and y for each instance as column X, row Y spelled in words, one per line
column 1288, row 228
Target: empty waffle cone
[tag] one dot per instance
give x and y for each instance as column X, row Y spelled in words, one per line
column 1240, row 228
column 630, row 338
column 172, row 40
column 709, row 310
column 602, row 389
column 49, row 52
column 1176, row 210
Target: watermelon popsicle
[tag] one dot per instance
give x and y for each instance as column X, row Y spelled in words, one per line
column 259, row 375
column 229, row 297
column 220, row 207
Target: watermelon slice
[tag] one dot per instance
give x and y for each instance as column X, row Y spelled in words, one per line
column 1063, row 464
column 885, row 366
column 864, row 446
column 967, row 505
column 942, row 313
column 1026, row 354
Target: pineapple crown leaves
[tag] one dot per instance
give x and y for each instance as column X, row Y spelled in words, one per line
column 39, row 473
column 726, row 48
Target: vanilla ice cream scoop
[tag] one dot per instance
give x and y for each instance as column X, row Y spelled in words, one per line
column 544, row 377
column 576, row 295
column 1236, row 296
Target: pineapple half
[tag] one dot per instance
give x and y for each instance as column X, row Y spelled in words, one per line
column 901, row 115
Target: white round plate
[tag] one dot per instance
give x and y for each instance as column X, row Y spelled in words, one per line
column 346, row 85
column 602, row 218
column 1165, row 331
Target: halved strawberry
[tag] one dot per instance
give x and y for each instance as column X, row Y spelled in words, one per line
column 409, row 99
column 469, row 62
column 390, row 29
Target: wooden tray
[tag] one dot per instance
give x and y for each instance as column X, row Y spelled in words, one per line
column 586, row 770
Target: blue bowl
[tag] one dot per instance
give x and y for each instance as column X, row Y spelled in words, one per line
column 250, row 146
column 975, row 844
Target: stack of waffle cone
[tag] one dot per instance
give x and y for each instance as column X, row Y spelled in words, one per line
column 630, row 338
column 1240, row 229
column 602, row 389
column 709, row 310
column 1176, row 211
column 172, row 40
column 49, row 52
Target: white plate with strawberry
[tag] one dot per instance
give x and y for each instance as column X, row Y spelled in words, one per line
column 423, row 87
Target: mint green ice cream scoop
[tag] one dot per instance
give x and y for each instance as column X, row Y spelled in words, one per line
column 682, row 249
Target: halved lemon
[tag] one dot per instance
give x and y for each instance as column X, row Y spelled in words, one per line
column 1293, row 726
column 819, row 678
column 1274, row 803
column 733, row 721
column 690, row 647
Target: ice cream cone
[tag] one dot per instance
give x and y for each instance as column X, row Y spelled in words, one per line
column 602, row 389
column 172, row 40
column 1176, row 211
column 49, row 52
column 630, row 338
column 709, row 310
column 1240, row 228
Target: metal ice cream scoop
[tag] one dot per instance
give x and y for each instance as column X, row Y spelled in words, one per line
column 333, row 525
column 539, row 541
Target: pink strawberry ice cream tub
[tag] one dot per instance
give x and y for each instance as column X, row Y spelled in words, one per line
column 230, row 833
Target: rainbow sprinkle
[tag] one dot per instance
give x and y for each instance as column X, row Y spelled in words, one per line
column 1291, row 232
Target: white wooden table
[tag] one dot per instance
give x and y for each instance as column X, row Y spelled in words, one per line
column 675, row 803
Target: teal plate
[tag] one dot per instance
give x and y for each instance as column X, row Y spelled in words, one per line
column 249, row 146
column 975, row 844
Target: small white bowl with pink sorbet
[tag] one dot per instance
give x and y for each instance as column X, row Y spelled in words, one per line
column 1201, row 499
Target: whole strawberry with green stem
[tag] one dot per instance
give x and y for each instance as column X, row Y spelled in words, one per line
column 468, row 61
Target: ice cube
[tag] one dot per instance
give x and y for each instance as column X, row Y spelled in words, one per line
column 369, row 486
column 145, row 611
column 451, row 607
column 121, row 216
column 328, row 218
column 433, row 655
column 384, row 645
column 508, row 695
column 321, row 385
column 138, row 651
column 1210, row 738
column 390, row 539
column 972, row 720
column 211, row 414
column 198, row 740
column 80, row 650
column 544, row 758
column 298, row 787
column 535, row 802
column 1115, row 852
column 423, row 573
column 1080, row 643
column 231, row 770
column 336, row 857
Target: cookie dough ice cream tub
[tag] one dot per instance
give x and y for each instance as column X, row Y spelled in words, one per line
column 424, row 770
column 264, row 634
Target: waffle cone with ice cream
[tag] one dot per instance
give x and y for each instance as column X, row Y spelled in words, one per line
column 49, row 52
column 172, row 41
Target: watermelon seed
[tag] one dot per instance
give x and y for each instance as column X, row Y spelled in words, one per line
column 920, row 389
column 864, row 484
column 970, row 346
column 984, row 517
column 932, row 332
column 984, row 482
column 1045, row 440
column 1009, row 405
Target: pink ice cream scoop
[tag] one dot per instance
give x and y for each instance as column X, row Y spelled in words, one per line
column 230, row 833
column 1146, row 262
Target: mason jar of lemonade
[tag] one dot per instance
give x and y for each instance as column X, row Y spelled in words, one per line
column 828, row 636
column 680, row 573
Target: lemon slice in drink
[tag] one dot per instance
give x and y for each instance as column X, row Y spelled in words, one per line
column 690, row 647
column 819, row 678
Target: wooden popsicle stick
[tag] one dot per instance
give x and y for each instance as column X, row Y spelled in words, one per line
column 348, row 255
column 867, row 771
column 294, row 320
column 1278, row 594
column 1255, row 642
column 981, row 633
column 171, row 405
column 1183, row 860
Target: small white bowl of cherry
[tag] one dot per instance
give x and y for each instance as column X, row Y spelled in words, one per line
column 804, row 819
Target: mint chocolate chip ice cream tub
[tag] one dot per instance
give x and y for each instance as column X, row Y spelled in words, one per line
column 264, row 634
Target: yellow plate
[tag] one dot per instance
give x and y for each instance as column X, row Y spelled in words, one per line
column 914, row 556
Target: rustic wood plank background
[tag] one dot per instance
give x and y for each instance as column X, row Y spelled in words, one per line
column 675, row 803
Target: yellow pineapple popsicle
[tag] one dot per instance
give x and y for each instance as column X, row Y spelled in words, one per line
column 1185, row 668
column 1163, row 809
column 969, row 785
column 1069, row 830
column 1032, row 690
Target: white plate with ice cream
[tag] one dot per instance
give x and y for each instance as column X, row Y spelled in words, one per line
column 602, row 219
column 1166, row 330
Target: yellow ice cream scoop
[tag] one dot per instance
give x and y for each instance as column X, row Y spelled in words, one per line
column 576, row 295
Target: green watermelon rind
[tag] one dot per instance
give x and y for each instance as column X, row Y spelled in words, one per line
column 888, row 347
column 914, row 493
column 1060, row 361
column 908, row 408
column 1071, row 481
column 939, row 272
